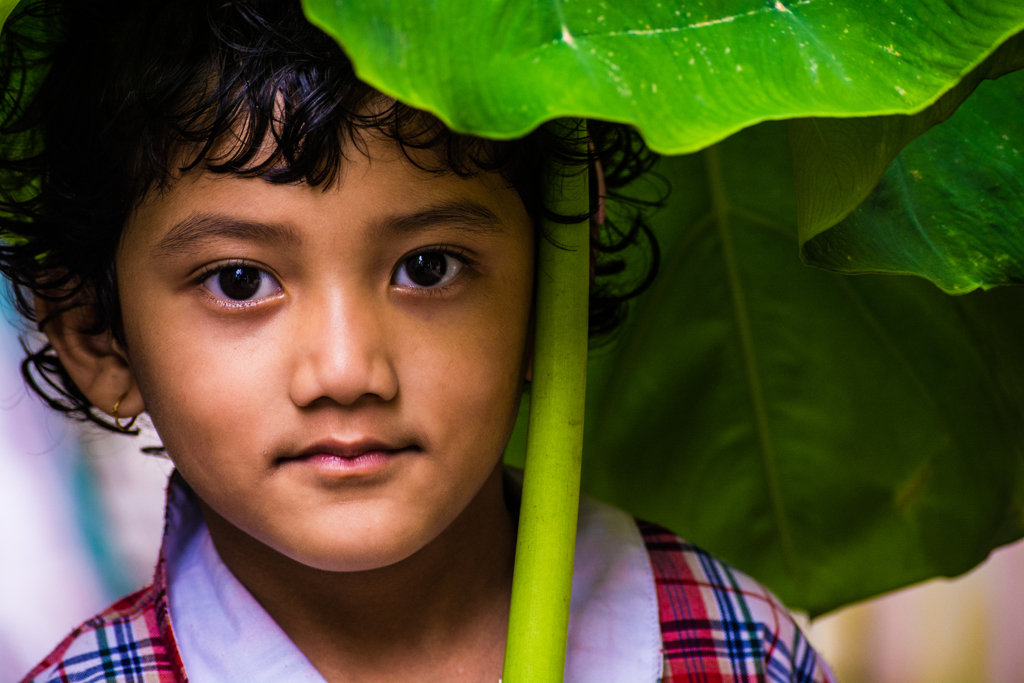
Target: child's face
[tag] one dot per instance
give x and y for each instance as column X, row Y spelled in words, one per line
column 335, row 399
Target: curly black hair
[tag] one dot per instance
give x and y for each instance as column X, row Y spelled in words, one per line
column 107, row 100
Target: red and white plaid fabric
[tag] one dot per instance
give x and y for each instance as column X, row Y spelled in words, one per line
column 717, row 625
column 129, row 642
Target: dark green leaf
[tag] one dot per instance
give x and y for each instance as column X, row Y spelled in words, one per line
column 687, row 75
column 834, row 436
column 951, row 207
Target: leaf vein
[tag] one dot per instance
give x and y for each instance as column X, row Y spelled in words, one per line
column 759, row 218
column 720, row 204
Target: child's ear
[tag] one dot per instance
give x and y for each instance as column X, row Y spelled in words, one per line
column 95, row 362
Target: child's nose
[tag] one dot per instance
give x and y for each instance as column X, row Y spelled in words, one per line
column 341, row 353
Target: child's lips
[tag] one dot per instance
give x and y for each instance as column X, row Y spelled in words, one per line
column 371, row 460
column 363, row 456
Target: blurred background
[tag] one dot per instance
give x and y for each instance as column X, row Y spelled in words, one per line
column 81, row 516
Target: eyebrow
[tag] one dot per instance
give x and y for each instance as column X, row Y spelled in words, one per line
column 197, row 230
column 463, row 214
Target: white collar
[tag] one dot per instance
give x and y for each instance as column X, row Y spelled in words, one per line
column 225, row 636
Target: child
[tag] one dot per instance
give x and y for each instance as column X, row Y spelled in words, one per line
column 322, row 300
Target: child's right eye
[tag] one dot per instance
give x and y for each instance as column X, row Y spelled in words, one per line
column 241, row 283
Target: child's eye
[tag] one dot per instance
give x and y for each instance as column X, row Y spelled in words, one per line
column 427, row 269
column 241, row 283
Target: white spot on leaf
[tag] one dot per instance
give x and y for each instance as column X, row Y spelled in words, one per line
column 567, row 37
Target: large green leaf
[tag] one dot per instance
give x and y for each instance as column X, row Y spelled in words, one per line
column 951, row 207
column 686, row 73
column 834, row 436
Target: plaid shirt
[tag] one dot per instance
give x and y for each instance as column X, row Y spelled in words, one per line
column 717, row 624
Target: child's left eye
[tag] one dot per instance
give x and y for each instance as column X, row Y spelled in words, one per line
column 241, row 283
column 428, row 269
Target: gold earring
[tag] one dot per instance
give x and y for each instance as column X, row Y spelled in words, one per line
column 117, row 420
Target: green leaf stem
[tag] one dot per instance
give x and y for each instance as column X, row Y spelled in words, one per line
column 542, row 585
column 6, row 7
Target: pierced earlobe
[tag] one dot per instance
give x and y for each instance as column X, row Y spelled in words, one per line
column 126, row 428
column 94, row 362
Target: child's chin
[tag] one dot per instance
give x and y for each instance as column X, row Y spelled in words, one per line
column 357, row 552
column 349, row 563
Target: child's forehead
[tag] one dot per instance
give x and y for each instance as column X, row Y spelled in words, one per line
column 377, row 184
column 419, row 168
